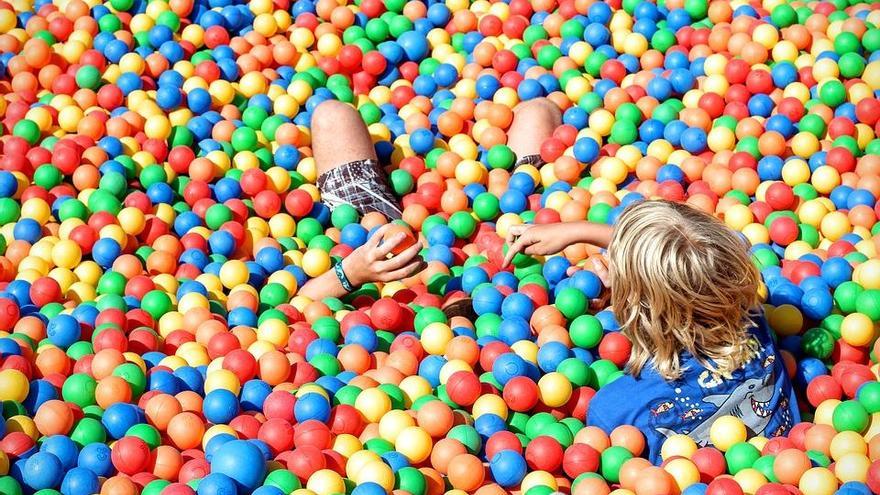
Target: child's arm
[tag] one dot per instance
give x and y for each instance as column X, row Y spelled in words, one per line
column 553, row 238
column 366, row 264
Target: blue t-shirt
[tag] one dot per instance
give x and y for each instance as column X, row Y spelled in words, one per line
column 759, row 393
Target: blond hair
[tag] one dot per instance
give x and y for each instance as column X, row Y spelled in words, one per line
column 682, row 281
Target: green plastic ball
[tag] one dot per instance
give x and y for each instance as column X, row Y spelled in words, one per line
column 741, row 456
column 850, row 415
column 612, row 460
column 571, row 302
column 79, row 389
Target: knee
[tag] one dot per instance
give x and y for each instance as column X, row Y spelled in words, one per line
column 333, row 115
column 538, row 108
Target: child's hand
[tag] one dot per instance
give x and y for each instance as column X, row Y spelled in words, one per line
column 537, row 239
column 370, row 262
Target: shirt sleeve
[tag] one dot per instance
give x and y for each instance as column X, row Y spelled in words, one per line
column 597, row 416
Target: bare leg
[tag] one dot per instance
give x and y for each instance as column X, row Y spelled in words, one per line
column 533, row 122
column 339, row 136
column 348, row 169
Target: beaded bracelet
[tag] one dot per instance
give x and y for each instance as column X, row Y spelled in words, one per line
column 343, row 279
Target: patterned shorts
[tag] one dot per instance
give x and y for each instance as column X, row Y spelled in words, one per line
column 530, row 160
column 361, row 184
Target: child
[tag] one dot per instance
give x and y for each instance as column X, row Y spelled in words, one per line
column 349, row 173
column 685, row 293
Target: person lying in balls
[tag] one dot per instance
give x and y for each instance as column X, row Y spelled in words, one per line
column 349, row 173
column 685, row 293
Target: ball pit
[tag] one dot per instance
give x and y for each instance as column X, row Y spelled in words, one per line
column 159, row 214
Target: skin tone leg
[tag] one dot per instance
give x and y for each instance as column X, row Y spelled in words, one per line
column 339, row 136
column 533, row 122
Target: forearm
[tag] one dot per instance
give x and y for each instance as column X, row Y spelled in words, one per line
column 324, row 285
column 596, row 234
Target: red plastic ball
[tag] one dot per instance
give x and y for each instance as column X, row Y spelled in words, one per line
column 724, row 486
column 580, row 458
column 520, row 393
column 780, row 196
column 313, row 432
column 544, row 453
column 130, row 455
column 710, row 463
column 616, row 348
column 502, row 440
column 463, row 388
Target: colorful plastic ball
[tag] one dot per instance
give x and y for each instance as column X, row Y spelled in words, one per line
column 14, row 385
column 508, row 468
column 241, row 461
column 63, row 331
column 727, row 431
column 42, row 470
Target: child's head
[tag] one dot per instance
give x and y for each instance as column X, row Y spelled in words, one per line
column 681, row 281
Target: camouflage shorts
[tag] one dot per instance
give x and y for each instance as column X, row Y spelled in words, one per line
column 361, row 184
column 530, row 160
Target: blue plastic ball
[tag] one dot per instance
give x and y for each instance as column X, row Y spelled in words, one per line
column 42, row 470
column 508, row 468
column 242, row 461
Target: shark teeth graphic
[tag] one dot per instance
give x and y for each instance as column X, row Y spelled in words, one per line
column 762, row 409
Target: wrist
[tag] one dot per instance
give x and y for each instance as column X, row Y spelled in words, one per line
column 351, row 272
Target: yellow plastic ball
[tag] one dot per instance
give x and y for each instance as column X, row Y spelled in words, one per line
column 871, row 75
column 470, row 171
column 377, row 472
column 750, row 480
column 14, row 385
column 869, row 274
column 373, row 403
column 66, row 254
column 825, row 179
column 326, row 482
column 315, row 262
column 818, row 481
column 847, row 442
column 538, row 478
column 795, row 172
column 738, row 216
column 274, row 331
column 554, row 389
column 490, row 404
column 233, row 273
column 825, row 411
column 857, row 329
column 852, row 467
column 805, row 144
column 727, row 431
column 131, row 220
column 811, row 212
column 435, row 338
column 37, row 209
column 678, row 445
column 357, row 461
column 786, row 320
column 684, row 472
column 414, row 387
column 392, row 423
column 415, row 443
column 222, row 379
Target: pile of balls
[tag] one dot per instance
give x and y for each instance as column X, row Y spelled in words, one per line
column 158, row 213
